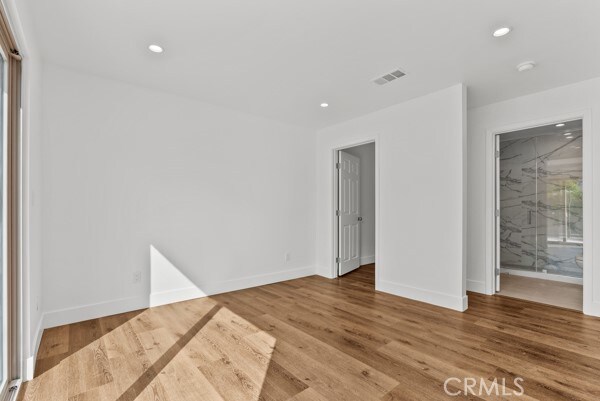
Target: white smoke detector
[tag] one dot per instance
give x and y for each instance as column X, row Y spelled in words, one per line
column 526, row 66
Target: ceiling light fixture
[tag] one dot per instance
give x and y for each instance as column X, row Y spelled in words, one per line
column 324, row 105
column 560, row 125
column 567, row 134
column 501, row 31
column 155, row 49
column 569, row 137
column 526, row 66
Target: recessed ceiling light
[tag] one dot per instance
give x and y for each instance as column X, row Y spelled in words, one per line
column 569, row 137
column 567, row 133
column 560, row 125
column 526, row 66
column 324, row 105
column 155, row 49
column 501, row 31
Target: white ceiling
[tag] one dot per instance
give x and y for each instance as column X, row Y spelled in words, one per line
column 282, row 58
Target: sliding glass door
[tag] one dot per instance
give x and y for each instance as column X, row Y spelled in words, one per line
column 10, row 270
column 4, row 321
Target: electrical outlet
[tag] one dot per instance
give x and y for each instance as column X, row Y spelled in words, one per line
column 137, row 276
column 288, row 256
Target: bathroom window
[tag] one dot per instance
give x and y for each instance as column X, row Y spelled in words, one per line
column 565, row 219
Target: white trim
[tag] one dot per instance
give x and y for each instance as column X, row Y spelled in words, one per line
column 367, row 260
column 184, row 294
column 542, row 276
column 101, row 309
column 428, row 296
column 177, row 295
column 92, row 311
column 333, row 218
column 476, row 286
column 30, row 361
column 590, row 307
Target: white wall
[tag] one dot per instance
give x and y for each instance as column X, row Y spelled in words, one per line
column 139, row 180
column 582, row 97
column 366, row 154
column 31, row 173
column 420, row 150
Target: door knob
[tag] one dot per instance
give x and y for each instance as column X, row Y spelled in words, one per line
column 360, row 219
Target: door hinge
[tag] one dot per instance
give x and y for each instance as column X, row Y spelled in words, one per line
column 337, row 213
column 497, row 212
column 338, row 166
column 337, row 260
column 497, row 154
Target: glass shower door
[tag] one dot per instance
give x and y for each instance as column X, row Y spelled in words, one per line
column 560, row 205
column 541, row 213
column 518, row 211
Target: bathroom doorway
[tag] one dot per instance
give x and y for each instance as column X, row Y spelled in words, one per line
column 539, row 214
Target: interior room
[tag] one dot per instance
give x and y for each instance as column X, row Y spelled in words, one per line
column 311, row 200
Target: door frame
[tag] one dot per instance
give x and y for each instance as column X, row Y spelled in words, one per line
column 490, row 207
column 334, row 189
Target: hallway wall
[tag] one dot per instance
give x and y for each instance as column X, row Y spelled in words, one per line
column 414, row 139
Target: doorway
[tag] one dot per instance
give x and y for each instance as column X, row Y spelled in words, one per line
column 355, row 207
column 540, row 214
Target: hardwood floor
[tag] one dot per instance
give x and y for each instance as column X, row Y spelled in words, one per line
column 318, row 339
column 548, row 292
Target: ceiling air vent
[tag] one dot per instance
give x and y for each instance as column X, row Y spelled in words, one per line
column 389, row 77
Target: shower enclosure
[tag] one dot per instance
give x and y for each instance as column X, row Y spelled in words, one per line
column 540, row 195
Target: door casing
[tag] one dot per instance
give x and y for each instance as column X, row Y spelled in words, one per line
column 334, row 188
column 491, row 201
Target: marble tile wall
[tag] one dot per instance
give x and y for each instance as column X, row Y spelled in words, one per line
column 541, row 225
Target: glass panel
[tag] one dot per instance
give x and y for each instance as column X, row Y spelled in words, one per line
column 541, row 200
column 518, row 219
column 560, row 205
column 3, row 308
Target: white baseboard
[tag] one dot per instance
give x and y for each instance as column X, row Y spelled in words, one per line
column 324, row 272
column 107, row 308
column 30, row 361
column 592, row 310
column 92, row 311
column 543, row 276
column 459, row 303
column 184, row 294
column 367, row 260
column 476, row 286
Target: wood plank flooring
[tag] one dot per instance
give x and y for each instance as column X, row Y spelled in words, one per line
column 318, row 339
column 565, row 295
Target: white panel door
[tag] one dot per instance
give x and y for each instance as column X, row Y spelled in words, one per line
column 348, row 212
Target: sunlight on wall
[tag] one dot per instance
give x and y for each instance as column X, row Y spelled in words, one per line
column 167, row 283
